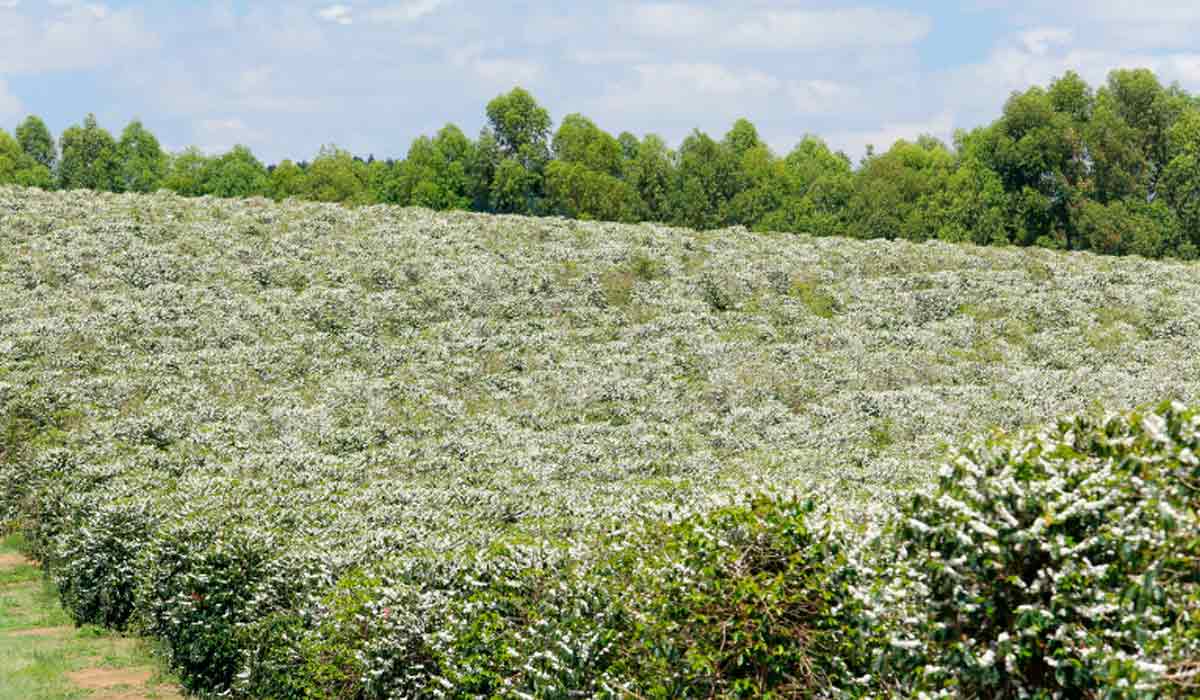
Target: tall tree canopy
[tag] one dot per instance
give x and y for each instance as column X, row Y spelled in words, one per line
column 335, row 176
column 90, row 159
column 706, row 178
column 521, row 127
column 37, row 143
column 143, row 164
column 1113, row 169
column 236, row 173
column 579, row 140
column 19, row 168
column 438, row 173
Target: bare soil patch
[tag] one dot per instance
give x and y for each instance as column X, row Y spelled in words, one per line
column 41, row 632
column 158, row 693
column 101, row 678
column 12, row 561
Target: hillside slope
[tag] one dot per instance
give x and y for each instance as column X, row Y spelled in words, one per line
column 295, row 391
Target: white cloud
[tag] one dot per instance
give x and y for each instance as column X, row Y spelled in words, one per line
column 338, row 14
column 601, row 57
column 1153, row 25
column 393, row 13
column 401, row 12
column 674, row 98
column 10, row 105
column 220, row 135
column 673, row 20
column 711, row 87
column 497, row 71
column 779, row 30
column 74, row 36
column 940, row 125
column 1024, row 61
column 1164, row 11
column 822, row 96
column 1039, row 41
column 9, row 4
column 704, row 79
column 828, row 29
column 508, row 71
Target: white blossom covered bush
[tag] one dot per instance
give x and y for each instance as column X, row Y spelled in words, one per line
column 356, row 409
column 1061, row 564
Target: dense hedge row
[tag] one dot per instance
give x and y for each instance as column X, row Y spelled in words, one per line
column 1061, row 563
column 1064, row 563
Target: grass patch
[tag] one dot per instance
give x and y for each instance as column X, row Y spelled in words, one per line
column 816, row 299
column 43, row 656
column 617, row 286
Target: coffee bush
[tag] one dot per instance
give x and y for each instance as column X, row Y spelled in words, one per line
column 1065, row 563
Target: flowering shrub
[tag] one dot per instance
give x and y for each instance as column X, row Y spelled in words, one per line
column 1064, row 565
column 753, row 601
column 330, row 451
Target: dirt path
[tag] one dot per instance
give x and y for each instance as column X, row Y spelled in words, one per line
column 44, row 657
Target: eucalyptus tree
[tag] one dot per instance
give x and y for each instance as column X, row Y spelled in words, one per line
column 143, row 164
column 706, row 179
column 742, row 137
column 185, row 172
column 37, row 142
column 651, row 173
column 90, row 158
column 579, row 140
column 438, row 171
column 1180, row 183
column 520, row 128
column 286, row 180
column 895, row 193
column 19, row 168
column 334, row 176
column 236, row 173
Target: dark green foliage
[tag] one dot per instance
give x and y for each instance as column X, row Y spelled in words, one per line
column 742, row 138
column 581, row 142
column 1129, row 227
column 650, row 170
column 897, row 193
column 37, row 143
column 143, row 163
column 521, row 127
column 201, row 592
column 1115, row 170
column 90, row 158
column 95, row 579
column 706, row 179
column 438, row 172
column 514, row 188
column 235, row 174
column 752, row 601
column 287, row 180
column 186, row 173
column 574, row 190
column 19, row 168
column 749, row 601
column 335, row 176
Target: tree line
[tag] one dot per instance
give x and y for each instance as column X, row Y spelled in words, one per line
column 1113, row 169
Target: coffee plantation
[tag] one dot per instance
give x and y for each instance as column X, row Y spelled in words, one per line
column 328, row 452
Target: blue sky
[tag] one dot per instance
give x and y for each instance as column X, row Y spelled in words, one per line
column 370, row 75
